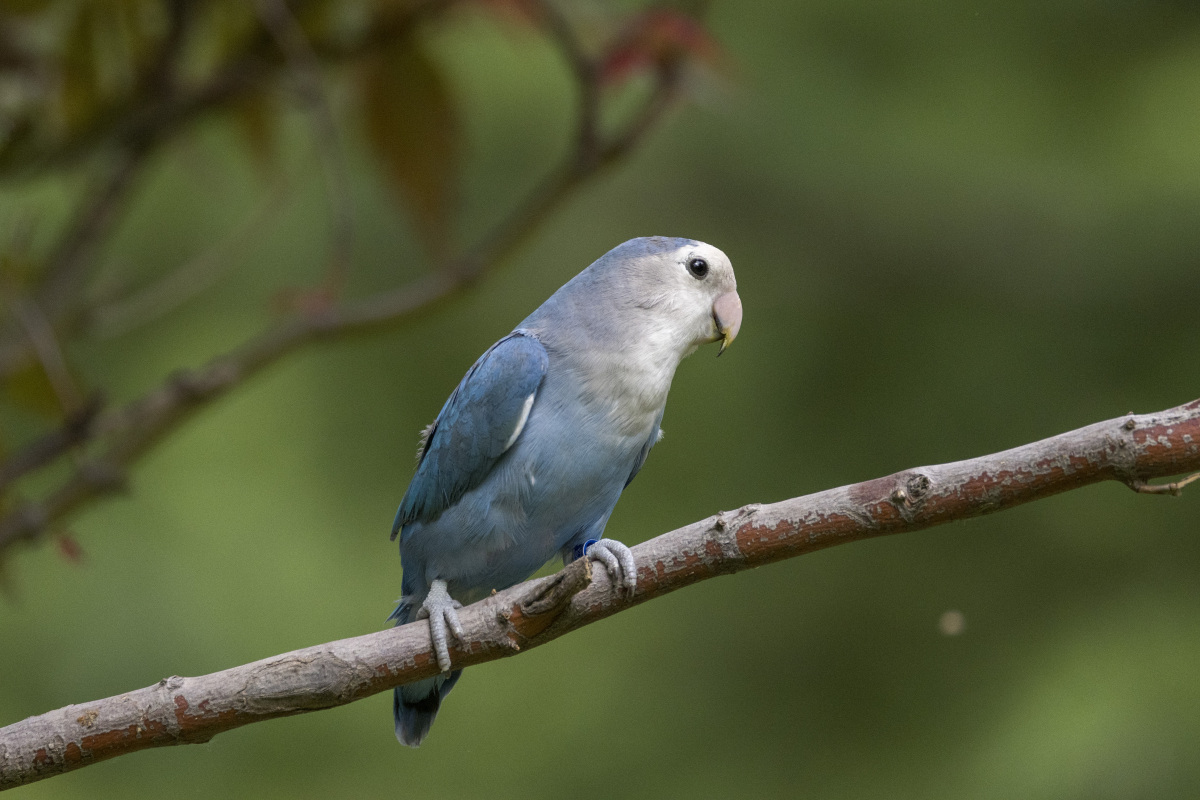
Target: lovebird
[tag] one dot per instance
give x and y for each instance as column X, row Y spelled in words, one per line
column 529, row 455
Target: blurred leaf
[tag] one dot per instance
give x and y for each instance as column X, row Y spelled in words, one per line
column 253, row 114
column 411, row 125
column 318, row 18
column 79, row 85
column 229, row 24
column 24, row 6
column 142, row 24
column 16, row 139
column 15, row 268
column 30, row 388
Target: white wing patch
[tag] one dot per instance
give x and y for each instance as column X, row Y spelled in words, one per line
column 424, row 441
column 520, row 422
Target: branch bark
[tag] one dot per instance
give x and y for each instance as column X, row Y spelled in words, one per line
column 176, row 710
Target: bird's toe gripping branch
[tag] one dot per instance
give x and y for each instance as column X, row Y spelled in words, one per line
column 442, row 611
column 618, row 560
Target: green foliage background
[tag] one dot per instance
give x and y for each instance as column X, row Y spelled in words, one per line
column 956, row 227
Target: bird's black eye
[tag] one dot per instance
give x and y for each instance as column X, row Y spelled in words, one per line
column 698, row 267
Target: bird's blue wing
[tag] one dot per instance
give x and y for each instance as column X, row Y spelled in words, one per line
column 655, row 435
column 481, row 420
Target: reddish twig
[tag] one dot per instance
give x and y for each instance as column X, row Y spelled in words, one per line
column 189, row 710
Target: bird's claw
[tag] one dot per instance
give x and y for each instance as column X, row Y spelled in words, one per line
column 618, row 560
column 442, row 611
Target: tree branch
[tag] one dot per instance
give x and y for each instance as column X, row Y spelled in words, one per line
column 98, row 212
column 133, row 429
column 177, row 710
column 143, row 123
column 100, row 209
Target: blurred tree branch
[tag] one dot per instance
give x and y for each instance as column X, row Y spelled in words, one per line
column 282, row 40
column 1130, row 449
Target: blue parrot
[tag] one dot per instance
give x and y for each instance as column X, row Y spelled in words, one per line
column 531, row 452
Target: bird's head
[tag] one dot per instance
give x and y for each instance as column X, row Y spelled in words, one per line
column 685, row 288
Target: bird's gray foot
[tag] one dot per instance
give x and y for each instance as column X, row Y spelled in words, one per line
column 618, row 560
column 442, row 612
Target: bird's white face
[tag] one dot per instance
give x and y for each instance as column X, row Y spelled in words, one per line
column 692, row 292
column 625, row 322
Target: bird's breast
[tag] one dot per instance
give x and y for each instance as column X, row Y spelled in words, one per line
column 621, row 395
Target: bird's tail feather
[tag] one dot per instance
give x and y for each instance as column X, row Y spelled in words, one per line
column 415, row 705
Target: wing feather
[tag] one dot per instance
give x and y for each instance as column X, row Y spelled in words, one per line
column 482, row 419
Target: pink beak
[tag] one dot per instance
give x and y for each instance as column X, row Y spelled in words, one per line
column 727, row 313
